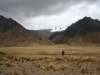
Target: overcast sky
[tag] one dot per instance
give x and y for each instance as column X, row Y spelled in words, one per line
column 44, row 14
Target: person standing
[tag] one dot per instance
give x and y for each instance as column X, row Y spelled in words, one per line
column 63, row 53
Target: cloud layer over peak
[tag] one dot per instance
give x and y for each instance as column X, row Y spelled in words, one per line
column 49, row 13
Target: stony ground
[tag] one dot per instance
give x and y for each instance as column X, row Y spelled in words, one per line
column 49, row 65
column 47, row 60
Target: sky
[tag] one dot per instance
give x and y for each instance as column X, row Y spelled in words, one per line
column 46, row 14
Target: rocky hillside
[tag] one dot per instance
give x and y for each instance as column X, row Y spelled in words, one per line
column 13, row 34
column 84, row 31
column 54, row 35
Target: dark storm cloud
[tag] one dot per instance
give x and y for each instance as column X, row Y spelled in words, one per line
column 37, row 14
column 38, row 7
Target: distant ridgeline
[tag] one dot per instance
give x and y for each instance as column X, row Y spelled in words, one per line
column 42, row 32
column 45, row 32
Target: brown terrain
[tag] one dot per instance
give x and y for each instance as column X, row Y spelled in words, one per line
column 47, row 60
column 36, row 55
column 13, row 34
column 84, row 32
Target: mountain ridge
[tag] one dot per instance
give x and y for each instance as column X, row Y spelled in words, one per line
column 85, row 31
column 14, row 34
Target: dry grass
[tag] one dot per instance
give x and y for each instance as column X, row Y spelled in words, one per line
column 16, row 73
column 0, row 72
column 2, row 53
column 1, row 63
column 83, row 59
column 98, row 68
column 32, row 61
column 8, row 64
column 4, row 59
column 76, row 50
column 84, row 70
column 24, row 71
column 57, row 64
column 17, row 59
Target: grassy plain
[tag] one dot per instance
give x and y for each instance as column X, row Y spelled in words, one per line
column 47, row 60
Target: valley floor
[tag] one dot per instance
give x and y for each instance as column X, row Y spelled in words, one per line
column 47, row 60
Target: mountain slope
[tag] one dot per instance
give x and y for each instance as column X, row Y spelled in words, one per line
column 84, row 31
column 13, row 34
column 54, row 35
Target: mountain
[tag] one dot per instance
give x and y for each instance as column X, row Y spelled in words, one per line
column 13, row 34
column 42, row 33
column 84, row 31
column 46, row 32
column 54, row 35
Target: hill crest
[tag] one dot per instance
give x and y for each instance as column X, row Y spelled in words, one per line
column 84, row 31
column 14, row 34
